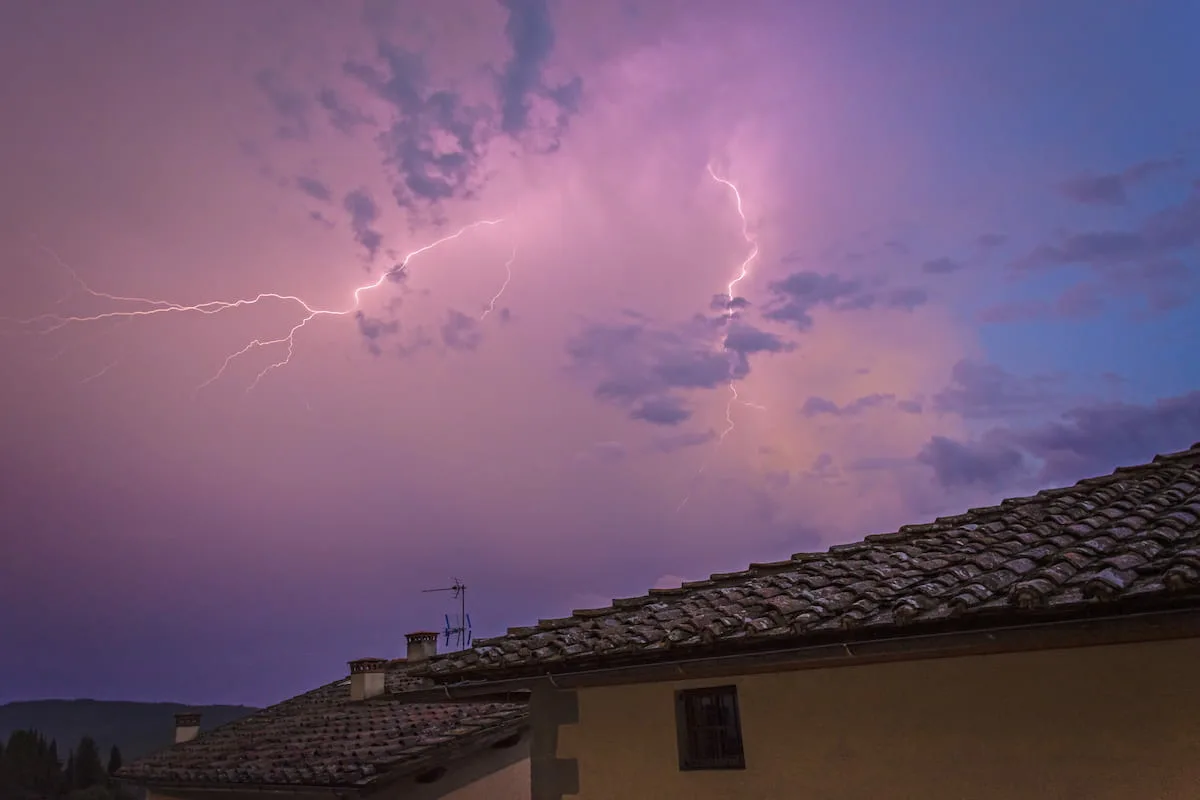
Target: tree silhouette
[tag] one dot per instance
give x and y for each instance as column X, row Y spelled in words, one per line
column 114, row 760
column 29, row 766
column 30, row 770
column 68, row 778
column 88, row 769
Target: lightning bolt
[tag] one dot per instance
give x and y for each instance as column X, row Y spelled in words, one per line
column 742, row 272
column 731, row 291
column 150, row 307
column 507, row 279
column 100, row 374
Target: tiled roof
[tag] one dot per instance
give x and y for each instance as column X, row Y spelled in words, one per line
column 323, row 738
column 1121, row 539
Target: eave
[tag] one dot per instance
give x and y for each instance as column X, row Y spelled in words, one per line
column 1155, row 622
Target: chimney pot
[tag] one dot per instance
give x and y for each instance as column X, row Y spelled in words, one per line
column 367, row 678
column 421, row 645
column 187, row 726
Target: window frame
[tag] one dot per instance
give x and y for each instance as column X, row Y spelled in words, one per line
column 724, row 735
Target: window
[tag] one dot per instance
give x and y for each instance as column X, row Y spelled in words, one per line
column 710, row 731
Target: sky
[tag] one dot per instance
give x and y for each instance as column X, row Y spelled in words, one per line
column 970, row 241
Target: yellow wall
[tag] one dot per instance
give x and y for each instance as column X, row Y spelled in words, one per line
column 1099, row 722
column 510, row 783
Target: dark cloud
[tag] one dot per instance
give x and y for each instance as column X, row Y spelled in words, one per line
column 665, row 410
column 636, row 360
column 1156, row 286
column 1175, row 228
column 531, row 34
column 374, row 329
column 460, row 332
column 941, row 266
column 879, row 464
column 822, row 463
column 989, row 241
column 986, row 391
column 314, row 188
column 812, row 288
column 1091, row 439
column 906, row 298
column 290, row 105
column 957, row 464
column 435, row 140
column 816, row 406
column 1096, row 190
column 723, row 302
column 321, row 219
column 344, row 117
column 1079, row 301
column 1015, row 311
column 696, row 369
column 1162, row 235
column 1084, row 441
column 1166, row 283
column 746, row 340
column 363, row 213
column 1089, row 248
column 796, row 296
column 1113, row 189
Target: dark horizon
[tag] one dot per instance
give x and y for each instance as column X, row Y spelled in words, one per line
column 970, row 237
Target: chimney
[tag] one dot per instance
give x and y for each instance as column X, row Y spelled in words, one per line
column 187, row 726
column 366, row 678
column 421, row 645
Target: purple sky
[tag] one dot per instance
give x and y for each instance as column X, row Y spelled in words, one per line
column 977, row 274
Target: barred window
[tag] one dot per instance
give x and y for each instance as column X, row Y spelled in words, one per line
column 710, row 730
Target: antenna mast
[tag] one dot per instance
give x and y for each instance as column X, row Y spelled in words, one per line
column 460, row 631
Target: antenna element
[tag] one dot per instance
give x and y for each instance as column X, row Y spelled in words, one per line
column 460, row 630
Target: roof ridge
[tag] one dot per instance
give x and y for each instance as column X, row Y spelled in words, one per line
column 904, row 533
column 1179, row 455
column 969, row 521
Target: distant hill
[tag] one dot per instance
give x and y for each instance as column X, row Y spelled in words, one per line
column 137, row 728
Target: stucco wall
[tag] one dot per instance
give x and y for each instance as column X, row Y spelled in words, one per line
column 1099, row 722
column 510, row 783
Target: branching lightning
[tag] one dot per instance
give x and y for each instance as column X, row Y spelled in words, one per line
column 507, row 279
column 100, row 374
column 742, row 272
column 730, row 292
column 151, row 307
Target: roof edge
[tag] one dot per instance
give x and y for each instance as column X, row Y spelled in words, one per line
column 765, row 569
column 1180, row 619
column 251, row 788
column 462, row 748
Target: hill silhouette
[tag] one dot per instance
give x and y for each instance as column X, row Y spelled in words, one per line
column 137, row 728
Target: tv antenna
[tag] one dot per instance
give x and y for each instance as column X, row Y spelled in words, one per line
column 460, row 630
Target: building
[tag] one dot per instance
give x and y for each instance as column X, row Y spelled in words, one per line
column 1046, row 647
column 355, row 737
